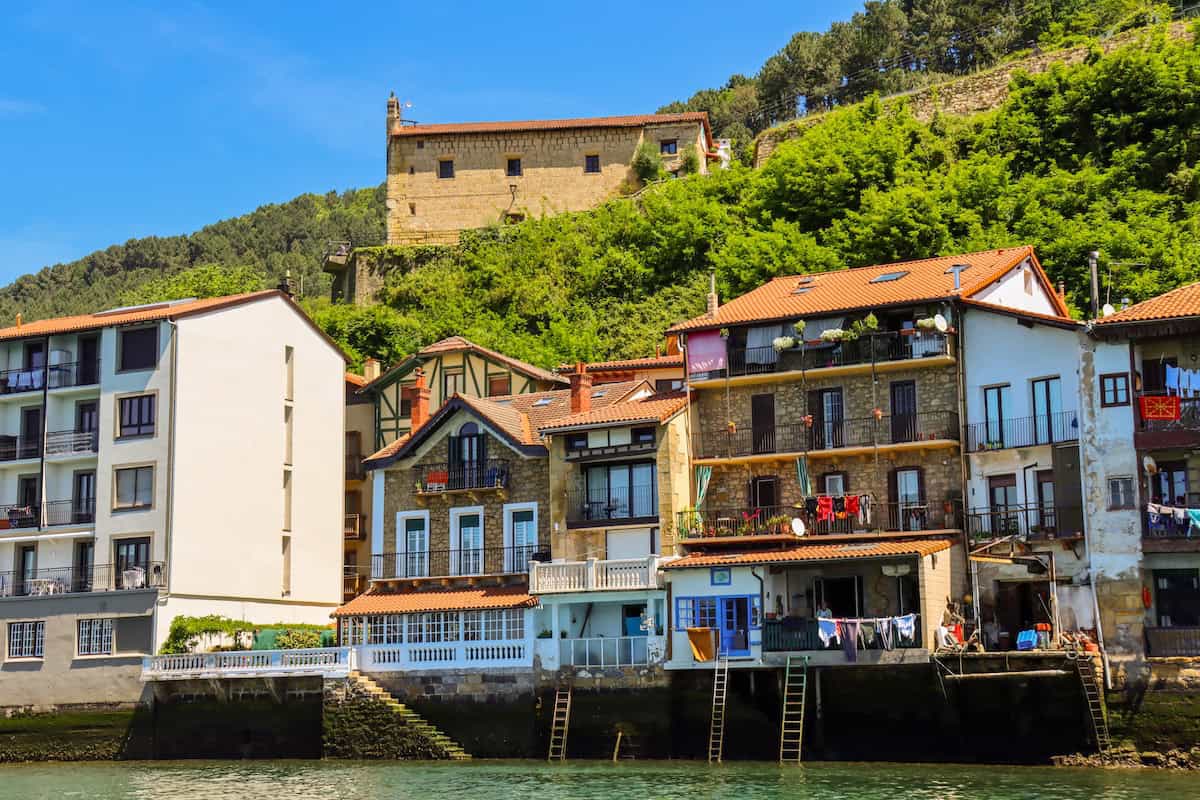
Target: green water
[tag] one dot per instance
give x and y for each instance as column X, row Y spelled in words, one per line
column 313, row 780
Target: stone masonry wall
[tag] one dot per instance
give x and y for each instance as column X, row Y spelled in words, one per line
column 423, row 208
column 527, row 483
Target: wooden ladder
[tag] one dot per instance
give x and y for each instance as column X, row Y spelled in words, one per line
column 716, row 731
column 791, row 729
column 1086, row 668
column 560, row 722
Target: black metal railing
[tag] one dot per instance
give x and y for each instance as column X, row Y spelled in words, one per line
column 801, row 437
column 1189, row 416
column 355, row 526
column 1168, row 526
column 1023, row 431
column 456, row 563
column 90, row 578
column 491, row 473
column 1035, row 521
column 792, row 635
column 613, row 504
column 68, row 442
column 1173, row 642
column 19, row 515
column 15, row 448
column 77, row 511
column 778, row 520
column 867, row 349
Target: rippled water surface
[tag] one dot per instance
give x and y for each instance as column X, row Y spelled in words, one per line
column 300, row 780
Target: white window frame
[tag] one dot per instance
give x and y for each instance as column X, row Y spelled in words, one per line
column 456, row 543
column 510, row 561
column 1132, row 493
column 401, row 543
column 36, row 639
column 100, row 631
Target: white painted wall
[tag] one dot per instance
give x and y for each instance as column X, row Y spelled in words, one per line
column 1018, row 288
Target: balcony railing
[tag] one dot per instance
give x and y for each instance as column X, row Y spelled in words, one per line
column 15, row 448
column 800, row 437
column 490, row 474
column 355, row 471
column 1023, row 431
column 594, row 575
column 69, row 442
column 355, row 527
column 605, row 651
column 96, row 578
column 1162, row 526
column 1034, row 522
column 19, row 515
column 627, row 449
column 56, row 376
column 711, row 523
column 354, row 581
column 1168, row 642
column 456, row 563
column 792, row 635
column 77, row 511
column 328, row 662
column 868, row 349
column 612, row 505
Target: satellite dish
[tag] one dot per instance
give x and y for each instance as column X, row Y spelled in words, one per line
column 797, row 526
column 1108, row 310
column 1150, row 465
column 939, row 322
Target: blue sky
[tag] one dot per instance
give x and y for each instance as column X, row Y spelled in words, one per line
column 141, row 119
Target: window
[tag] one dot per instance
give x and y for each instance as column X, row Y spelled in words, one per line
column 95, row 637
column 499, row 385
column 446, row 168
column 667, row 385
column 472, row 626
column 668, row 147
column 1047, row 410
column 289, row 372
column 1169, row 486
column 452, row 383
column 135, row 487
column 835, row 484
column 621, row 491
column 696, row 612
column 591, row 163
column 138, row 349
column 888, row 277
column 420, row 144
column 1114, row 389
column 643, row 435
column 385, row 629
column 350, row 631
column 1120, row 493
column 136, row 415
column 514, row 623
column 407, row 393
column 287, row 499
column 26, row 639
column 995, row 406
column 513, row 168
column 287, row 434
column 577, row 441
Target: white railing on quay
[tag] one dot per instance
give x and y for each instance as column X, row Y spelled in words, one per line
column 328, row 662
column 624, row 574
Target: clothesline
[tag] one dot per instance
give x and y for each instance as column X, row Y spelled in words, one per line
column 850, row 630
column 1163, row 516
column 913, row 616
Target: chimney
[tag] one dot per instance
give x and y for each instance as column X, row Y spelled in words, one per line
column 1062, row 290
column 581, row 389
column 420, row 403
column 957, row 270
column 1093, row 263
column 370, row 369
column 18, row 319
column 393, row 113
column 286, row 286
column 713, row 303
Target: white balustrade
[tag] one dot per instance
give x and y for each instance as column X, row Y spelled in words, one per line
column 611, row 651
column 448, row 655
column 325, row 661
column 594, row 575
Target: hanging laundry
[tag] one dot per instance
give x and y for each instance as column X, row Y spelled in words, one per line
column 864, row 509
column 883, row 628
column 824, row 509
column 1172, row 379
column 906, row 627
column 839, row 507
column 853, row 508
column 810, row 506
column 1194, row 516
column 826, row 630
column 867, row 632
column 848, row 633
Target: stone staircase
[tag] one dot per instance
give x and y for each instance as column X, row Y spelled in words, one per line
column 412, row 719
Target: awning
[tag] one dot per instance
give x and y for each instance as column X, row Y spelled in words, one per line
column 374, row 603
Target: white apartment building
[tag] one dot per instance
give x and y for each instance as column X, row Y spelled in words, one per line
column 180, row 458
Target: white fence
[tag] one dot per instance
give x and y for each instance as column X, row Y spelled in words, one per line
column 594, row 575
column 325, row 661
column 448, row 655
column 611, row 651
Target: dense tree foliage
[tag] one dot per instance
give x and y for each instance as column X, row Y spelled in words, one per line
column 894, row 45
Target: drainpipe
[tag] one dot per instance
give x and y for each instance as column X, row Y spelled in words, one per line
column 762, row 607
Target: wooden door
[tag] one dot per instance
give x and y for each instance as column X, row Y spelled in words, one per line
column 904, row 411
column 762, row 423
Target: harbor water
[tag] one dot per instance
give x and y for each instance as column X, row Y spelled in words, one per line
column 522, row 780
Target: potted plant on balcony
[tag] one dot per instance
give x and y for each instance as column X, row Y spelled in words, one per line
column 781, row 343
column 780, row 523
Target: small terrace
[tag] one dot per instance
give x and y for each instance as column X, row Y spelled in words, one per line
column 469, row 562
column 595, row 575
column 479, row 476
column 355, row 527
column 603, row 652
column 75, row 580
column 55, row 376
column 69, row 443
column 354, row 581
column 812, row 437
column 76, row 511
column 329, row 662
column 1030, row 523
column 613, row 506
column 734, row 522
column 1165, row 421
column 1173, row 642
column 1023, row 432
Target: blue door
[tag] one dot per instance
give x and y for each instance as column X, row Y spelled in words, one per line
column 735, row 625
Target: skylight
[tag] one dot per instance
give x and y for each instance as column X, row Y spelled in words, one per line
column 802, row 290
column 887, row 277
column 542, row 401
column 599, row 393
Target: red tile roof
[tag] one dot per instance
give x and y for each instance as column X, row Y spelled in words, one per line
column 1051, row 319
column 355, row 380
column 622, row 365
column 653, row 408
column 380, row 602
column 926, row 280
column 815, row 552
column 631, row 121
column 1175, row 304
column 459, row 344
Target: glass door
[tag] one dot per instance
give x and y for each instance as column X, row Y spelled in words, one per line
column 1047, row 410
column 524, row 540
column 910, row 511
column 735, row 625
column 31, row 433
column 644, row 502
column 416, row 549
column 132, row 562
column 904, row 411
column 832, row 418
column 762, row 423
column 1047, row 517
column 85, row 556
column 995, row 405
column 470, row 544
column 26, row 568
column 1002, row 498
column 83, row 498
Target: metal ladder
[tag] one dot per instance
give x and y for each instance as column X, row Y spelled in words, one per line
column 716, row 731
column 560, row 722
column 1086, row 668
column 791, row 729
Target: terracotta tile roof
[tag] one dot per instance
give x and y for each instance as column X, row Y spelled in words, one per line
column 650, row 362
column 128, row 316
column 355, row 380
column 653, row 408
column 1175, row 304
column 926, row 280
column 378, row 602
column 458, row 344
column 391, row 448
column 1052, row 319
column 631, row 121
column 815, row 552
